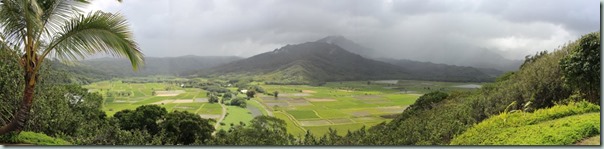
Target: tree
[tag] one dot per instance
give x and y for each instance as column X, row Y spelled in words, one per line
column 39, row 28
column 250, row 94
column 144, row 117
column 239, row 101
column 581, row 69
column 186, row 128
column 213, row 98
column 276, row 93
column 263, row 130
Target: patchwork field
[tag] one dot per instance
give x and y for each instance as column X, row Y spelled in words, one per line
column 341, row 106
column 119, row 96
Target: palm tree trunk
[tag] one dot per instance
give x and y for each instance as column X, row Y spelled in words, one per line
column 18, row 121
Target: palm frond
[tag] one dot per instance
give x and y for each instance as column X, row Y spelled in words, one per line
column 12, row 22
column 20, row 19
column 57, row 12
column 97, row 32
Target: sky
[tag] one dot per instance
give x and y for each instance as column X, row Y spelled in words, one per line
column 409, row 29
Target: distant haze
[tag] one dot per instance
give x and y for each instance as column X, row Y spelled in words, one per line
column 426, row 30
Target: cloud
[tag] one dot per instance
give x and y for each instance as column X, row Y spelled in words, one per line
column 413, row 29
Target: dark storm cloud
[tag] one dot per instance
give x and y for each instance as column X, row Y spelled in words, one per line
column 402, row 29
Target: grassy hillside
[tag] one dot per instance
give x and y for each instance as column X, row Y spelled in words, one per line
column 559, row 125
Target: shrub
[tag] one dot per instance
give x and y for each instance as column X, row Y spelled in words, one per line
column 27, row 137
column 561, row 124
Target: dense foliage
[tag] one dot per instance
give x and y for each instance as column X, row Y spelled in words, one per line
column 263, row 130
column 559, row 125
column 581, row 68
column 27, row 137
column 239, row 101
column 185, row 128
column 144, row 117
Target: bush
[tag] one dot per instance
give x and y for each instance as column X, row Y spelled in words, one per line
column 239, row 101
column 27, row 137
column 559, row 125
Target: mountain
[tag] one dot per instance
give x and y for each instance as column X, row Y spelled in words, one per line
column 473, row 57
column 444, row 72
column 157, row 66
column 349, row 45
column 483, row 58
column 306, row 63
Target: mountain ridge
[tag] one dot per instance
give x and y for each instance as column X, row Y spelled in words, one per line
column 321, row 62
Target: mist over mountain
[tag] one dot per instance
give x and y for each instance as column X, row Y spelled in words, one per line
column 471, row 56
column 349, row 45
column 478, row 58
column 444, row 72
column 157, row 65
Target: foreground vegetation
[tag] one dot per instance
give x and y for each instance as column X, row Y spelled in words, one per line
column 27, row 137
column 559, row 125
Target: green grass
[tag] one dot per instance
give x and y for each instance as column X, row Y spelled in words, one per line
column 559, row 125
column 254, row 103
column 27, row 137
column 210, row 108
column 141, row 94
column 235, row 116
column 402, row 99
column 348, row 100
column 331, row 113
column 303, row 114
column 291, row 127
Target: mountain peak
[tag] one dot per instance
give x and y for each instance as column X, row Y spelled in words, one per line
column 348, row 45
column 334, row 39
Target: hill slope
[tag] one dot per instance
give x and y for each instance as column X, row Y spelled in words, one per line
column 309, row 62
column 559, row 125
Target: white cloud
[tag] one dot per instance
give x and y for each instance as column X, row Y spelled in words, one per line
column 396, row 28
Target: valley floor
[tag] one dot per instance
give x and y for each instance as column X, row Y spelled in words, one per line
column 341, row 106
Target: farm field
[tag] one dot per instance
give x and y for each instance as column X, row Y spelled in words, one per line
column 119, row 96
column 344, row 106
column 341, row 106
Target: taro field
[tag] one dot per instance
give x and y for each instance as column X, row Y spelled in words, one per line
column 119, row 96
column 344, row 106
column 341, row 106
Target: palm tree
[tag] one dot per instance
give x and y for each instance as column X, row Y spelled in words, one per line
column 58, row 29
